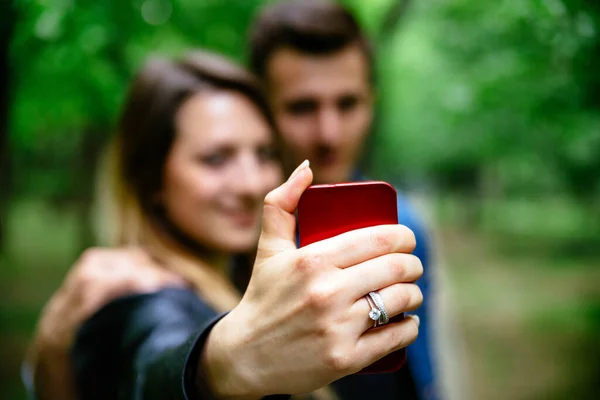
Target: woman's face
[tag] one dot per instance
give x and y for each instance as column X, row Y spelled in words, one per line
column 221, row 166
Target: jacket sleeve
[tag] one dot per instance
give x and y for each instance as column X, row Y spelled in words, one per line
column 144, row 347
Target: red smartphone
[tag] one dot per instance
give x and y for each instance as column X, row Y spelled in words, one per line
column 325, row 211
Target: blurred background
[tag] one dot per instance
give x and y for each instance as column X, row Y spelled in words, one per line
column 489, row 116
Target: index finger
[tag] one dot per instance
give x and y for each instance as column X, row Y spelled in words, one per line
column 360, row 245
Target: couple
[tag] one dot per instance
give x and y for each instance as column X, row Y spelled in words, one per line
column 196, row 152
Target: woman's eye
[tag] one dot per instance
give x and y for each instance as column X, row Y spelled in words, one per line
column 213, row 160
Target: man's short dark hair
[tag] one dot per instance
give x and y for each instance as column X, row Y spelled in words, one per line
column 316, row 27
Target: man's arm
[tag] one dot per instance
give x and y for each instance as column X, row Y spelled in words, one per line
column 421, row 354
column 99, row 276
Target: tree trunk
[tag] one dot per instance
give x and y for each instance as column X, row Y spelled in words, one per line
column 7, row 17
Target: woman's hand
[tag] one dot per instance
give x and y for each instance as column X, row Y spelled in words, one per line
column 303, row 321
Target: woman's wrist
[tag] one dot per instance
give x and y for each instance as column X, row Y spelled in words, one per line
column 220, row 368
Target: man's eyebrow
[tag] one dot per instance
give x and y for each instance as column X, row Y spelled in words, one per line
column 350, row 96
column 305, row 99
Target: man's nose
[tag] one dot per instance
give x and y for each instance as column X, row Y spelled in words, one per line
column 330, row 126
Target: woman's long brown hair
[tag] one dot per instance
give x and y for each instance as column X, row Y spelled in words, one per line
column 133, row 168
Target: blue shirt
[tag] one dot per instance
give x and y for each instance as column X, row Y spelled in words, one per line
column 419, row 354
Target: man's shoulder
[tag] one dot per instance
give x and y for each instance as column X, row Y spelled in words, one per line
column 407, row 213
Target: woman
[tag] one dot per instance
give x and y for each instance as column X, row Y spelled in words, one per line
column 192, row 161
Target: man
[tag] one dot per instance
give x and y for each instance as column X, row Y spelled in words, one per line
column 317, row 68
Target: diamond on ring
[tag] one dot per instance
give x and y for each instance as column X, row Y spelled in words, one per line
column 374, row 314
column 376, row 297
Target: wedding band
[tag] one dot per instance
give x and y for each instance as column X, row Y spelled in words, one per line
column 376, row 297
column 374, row 313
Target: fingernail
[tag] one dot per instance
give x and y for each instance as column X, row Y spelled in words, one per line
column 300, row 167
column 416, row 318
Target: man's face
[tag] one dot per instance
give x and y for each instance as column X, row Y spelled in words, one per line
column 322, row 107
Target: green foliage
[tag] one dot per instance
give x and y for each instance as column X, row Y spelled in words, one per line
column 72, row 62
column 500, row 88
column 477, row 94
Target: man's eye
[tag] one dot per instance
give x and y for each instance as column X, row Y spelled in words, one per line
column 267, row 153
column 347, row 103
column 302, row 107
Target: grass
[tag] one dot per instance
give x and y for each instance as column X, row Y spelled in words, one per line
column 530, row 322
column 530, row 317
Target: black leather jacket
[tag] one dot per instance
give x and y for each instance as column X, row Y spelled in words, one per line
column 147, row 346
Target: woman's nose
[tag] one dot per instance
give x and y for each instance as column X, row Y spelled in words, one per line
column 248, row 180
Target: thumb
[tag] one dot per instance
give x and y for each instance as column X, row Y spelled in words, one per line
column 279, row 222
